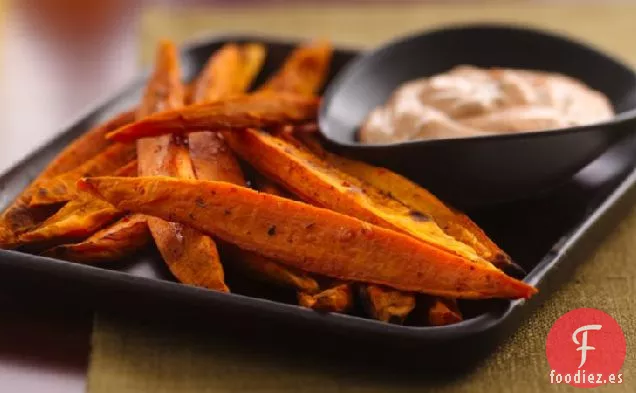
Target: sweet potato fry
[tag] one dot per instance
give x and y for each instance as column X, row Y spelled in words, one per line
column 443, row 311
column 229, row 72
column 312, row 239
column 364, row 202
column 128, row 170
column 274, row 271
column 267, row 270
column 164, row 90
column 321, row 184
column 212, row 159
column 332, row 299
column 88, row 145
column 62, row 187
column 386, row 304
column 188, row 93
column 338, row 298
column 256, row 110
column 380, row 209
column 454, row 223
column 263, row 184
column 77, row 220
column 131, row 233
column 19, row 217
column 126, row 236
column 304, row 71
column 191, row 256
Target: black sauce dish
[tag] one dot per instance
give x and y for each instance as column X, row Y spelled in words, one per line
column 480, row 170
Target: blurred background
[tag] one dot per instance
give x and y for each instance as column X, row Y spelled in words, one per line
column 59, row 57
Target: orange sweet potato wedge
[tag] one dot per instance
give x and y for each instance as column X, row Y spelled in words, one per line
column 318, row 182
column 62, row 187
column 386, row 304
column 264, row 269
column 393, row 306
column 443, row 311
column 276, row 272
column 190, row 255
column 263, row 184
column 321, row 184
column 312, row 239
column 338, row 298
column 78, row 219
column 454, row 223
column 229, row 72
column 88, row 145
column 212, row 159
column 19, row 217
column 128, row 170
column 255, row 110
column 329, row 297
column 304, row 71
column 125, row 237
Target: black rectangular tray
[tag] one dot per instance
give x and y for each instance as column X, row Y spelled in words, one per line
column 547, row 234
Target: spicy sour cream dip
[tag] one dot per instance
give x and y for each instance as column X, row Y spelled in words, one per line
column 469, row 101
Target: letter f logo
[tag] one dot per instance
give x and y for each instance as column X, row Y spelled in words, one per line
column 583, row 344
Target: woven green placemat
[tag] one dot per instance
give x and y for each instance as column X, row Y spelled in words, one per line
column 142, row 356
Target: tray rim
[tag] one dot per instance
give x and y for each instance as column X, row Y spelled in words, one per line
column 480, row 324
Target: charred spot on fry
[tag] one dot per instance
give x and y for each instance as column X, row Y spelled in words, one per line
column 419, row 216
column 200, row 203
column 511, row 268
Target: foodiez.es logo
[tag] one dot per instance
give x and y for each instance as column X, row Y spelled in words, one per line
column 586, row 348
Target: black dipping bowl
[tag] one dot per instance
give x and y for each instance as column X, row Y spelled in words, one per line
column 485, row 169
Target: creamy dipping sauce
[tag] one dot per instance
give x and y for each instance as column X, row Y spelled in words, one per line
column 469, row 101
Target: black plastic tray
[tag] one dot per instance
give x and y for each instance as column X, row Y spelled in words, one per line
column 547, row 234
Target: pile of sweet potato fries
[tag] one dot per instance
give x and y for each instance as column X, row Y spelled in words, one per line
column 170, row 173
